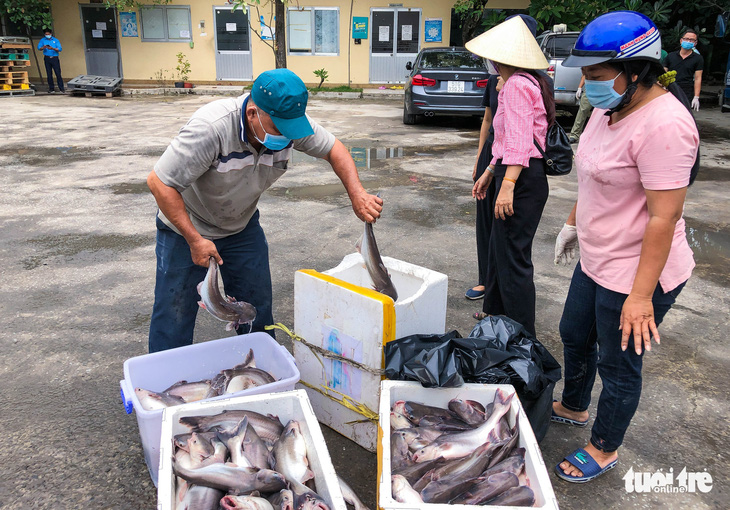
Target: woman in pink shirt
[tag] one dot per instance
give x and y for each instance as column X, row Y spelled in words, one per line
column 526, row 109
column 634, row 163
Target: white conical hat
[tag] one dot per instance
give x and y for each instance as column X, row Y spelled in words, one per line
column 511, row 43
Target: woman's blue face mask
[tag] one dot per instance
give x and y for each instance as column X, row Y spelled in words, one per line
column 273, row 142
column 601, row 94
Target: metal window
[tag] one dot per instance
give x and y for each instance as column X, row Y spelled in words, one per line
column 314, row 31
column 167, row 23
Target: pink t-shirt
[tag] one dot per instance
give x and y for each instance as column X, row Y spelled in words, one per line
column 653, row 148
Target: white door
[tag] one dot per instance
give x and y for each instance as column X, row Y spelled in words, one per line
column 232, row 44
column 395, row 39
column 100, row 40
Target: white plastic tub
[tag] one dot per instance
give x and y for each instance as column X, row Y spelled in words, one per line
column 422, row 293
column 392, row 391
column 160, row 370
column 290, row 405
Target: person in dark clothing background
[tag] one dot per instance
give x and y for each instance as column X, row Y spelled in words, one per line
column 51, row 48
column 485, row 208
column 688, row 64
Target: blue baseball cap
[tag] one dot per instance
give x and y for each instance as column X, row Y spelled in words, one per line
column 283, row 95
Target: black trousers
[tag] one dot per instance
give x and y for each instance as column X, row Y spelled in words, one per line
column 485, row 212
column 510, row 288
column 53, row 65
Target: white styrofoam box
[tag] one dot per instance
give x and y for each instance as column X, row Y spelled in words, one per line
column 338, row 310
column 289, row 405
column 160, row 370
column 422, row 293
column 392, row 391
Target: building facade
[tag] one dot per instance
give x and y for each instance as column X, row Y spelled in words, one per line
column 358, row 42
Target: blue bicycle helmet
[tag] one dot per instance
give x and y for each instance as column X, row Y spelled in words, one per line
column 616, row 36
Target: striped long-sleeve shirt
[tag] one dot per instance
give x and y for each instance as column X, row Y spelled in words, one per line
column 520, row 118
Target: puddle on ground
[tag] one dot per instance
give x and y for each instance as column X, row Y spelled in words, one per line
column 711, row 133
column 714, row 173
column 438, row 191
column 68, row 245
column 130, row 188
column 39, row 156
column 372, row 157
column 711, row 247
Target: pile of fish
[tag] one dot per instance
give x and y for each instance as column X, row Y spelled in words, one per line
column 238, row 378
column 464, row 455
column 242, row 459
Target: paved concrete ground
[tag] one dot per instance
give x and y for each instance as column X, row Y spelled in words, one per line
column 77, row 254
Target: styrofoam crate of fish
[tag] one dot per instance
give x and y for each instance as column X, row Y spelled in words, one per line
column 286, row 406
column 534, row 476
column 160, row 370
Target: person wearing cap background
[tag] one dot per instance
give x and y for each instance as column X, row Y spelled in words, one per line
column 207, row 185
column 526, row 109
column 634, row 163
column 51, row 48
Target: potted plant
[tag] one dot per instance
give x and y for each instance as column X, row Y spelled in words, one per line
column 183, row 71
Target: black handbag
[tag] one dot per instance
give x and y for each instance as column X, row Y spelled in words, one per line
column 558, row 154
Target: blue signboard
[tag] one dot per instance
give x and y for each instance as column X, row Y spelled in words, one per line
column 432, row 29
column 128, row 21
column 359, row 27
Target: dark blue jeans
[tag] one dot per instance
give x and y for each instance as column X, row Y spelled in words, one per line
column 245, row 273
column 53, row 65
column 591, row 339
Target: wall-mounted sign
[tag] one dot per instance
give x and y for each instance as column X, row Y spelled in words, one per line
column 128, row 21
column 359, row 27
column 432, row 29
column 267, row 32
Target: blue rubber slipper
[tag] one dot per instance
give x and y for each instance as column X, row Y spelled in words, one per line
column 587, row 464
column 567, row 421
column 474, row 294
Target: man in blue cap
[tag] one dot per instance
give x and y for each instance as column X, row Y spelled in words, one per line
column 207, row 185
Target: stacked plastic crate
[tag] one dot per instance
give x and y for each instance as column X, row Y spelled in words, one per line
column 14, row 64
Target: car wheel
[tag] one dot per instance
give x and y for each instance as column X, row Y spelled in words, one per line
column 409, row 118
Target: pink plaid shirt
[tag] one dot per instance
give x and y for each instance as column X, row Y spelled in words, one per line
column 520, row 117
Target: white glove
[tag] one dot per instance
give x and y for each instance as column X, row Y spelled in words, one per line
column 566, row 244
column 696, row 103
column 578, row 93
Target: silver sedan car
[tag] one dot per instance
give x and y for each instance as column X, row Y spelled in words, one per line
column 444, row 81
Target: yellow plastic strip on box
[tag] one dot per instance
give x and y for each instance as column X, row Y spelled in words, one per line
column 316, row 349
column 346, row 400
column 388, row 304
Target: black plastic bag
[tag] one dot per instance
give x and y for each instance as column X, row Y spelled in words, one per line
column 497, row 351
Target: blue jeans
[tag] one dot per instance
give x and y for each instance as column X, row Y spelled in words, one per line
column 245, row 273
column 591, row 339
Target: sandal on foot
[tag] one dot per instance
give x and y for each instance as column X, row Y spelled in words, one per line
column 474, row 294
column 567, row 421
column 587, row 464
column 480, row 315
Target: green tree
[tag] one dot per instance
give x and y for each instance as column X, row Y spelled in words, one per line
column 31, row 15
column 470, row 13
column 275, row 15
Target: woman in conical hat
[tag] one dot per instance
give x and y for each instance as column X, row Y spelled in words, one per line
column 526, row 110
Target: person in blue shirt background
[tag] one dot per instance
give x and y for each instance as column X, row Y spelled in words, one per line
column 51, row 48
